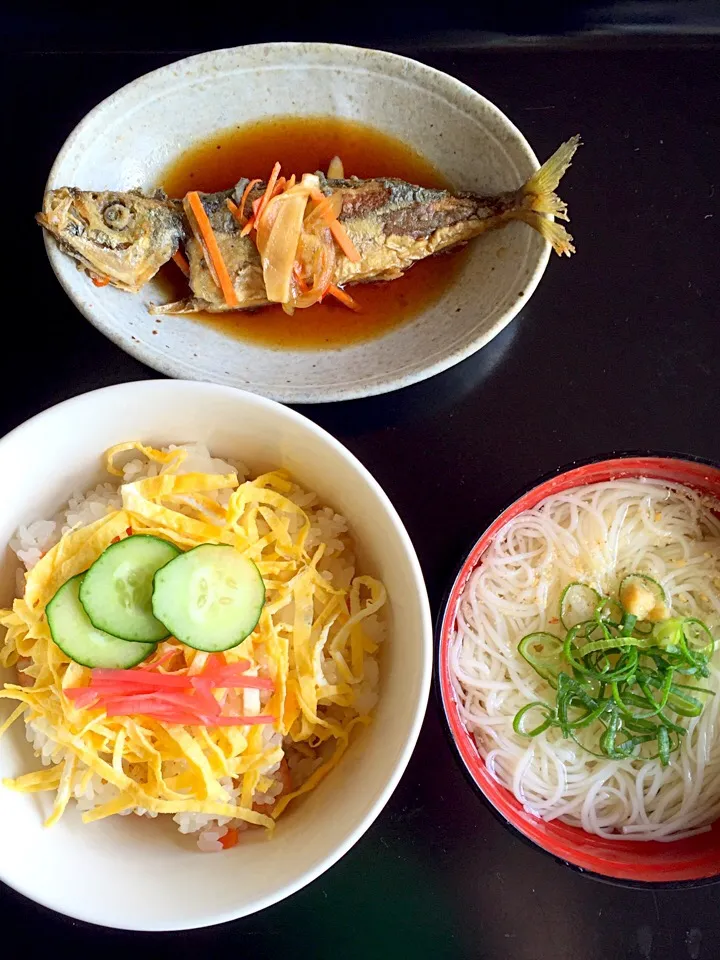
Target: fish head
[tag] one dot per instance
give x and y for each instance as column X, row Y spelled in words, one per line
column 123, row 238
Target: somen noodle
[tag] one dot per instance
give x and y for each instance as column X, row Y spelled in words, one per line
column 595, row 534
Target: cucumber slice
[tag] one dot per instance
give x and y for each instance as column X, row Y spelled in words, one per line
column 73, row 632
column 210, row 598
column 117, row 589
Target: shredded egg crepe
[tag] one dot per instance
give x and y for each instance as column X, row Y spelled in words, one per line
column 312, row 641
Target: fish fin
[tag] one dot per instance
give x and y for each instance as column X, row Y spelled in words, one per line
column 545, row 181
column 554, row 233
column 541, row 198
column 188, row 305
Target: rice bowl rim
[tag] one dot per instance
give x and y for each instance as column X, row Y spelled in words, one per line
column 76, row 409
column 575, row 851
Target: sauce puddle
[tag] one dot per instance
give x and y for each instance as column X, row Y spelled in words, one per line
column 304, row 145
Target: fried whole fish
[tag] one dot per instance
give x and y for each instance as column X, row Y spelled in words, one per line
column 391, row 224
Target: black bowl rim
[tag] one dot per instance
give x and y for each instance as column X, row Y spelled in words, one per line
column 437, row 687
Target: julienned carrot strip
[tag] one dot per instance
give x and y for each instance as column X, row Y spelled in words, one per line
column 230, row 839
column 274, row 186
column 322, row 210
column 252, row 220
column 232, row 207
column 297, row 273
column 269, row 189
column 246, row 194
column 213, row 250
column 343, row 297
column 181, row 261
column 336, row 228
column 344, row 241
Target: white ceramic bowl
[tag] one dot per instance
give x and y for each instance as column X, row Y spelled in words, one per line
column 128, row 139
column 134, row 873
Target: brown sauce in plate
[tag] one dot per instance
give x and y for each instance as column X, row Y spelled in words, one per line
column 304, row 145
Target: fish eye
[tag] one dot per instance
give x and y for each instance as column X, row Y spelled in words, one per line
column 117, row 216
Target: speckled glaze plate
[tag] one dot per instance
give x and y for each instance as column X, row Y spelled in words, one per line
column 129, row 138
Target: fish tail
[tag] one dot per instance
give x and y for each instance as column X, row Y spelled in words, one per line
column 541, row 199
column 542, row 185
column 554, row 233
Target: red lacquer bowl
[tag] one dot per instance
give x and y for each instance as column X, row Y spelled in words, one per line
column 688, row 862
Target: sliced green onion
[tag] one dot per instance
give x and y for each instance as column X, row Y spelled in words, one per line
column 593, row 753
column 670, row 725
column 578, row 604
column 569, row 692
column 668, row 634
column 617, row 674
column 627, row 624
column 664, row 746
column 611, row 644
column 684, row 705
column 590, row 716
column 686, row 686
column 569, row 651
column 609, row 611
column 531, row 649
column 695, row 632
column 608, row 739
column 628, row 746
column 625, row 667
column 518, row 722
column 634, row 725
column 657, row 705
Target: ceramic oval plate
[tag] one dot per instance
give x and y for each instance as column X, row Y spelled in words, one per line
column 128, row 139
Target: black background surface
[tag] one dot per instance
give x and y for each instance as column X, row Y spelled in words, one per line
column 618, row 349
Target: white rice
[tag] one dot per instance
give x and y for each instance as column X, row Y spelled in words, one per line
column 337, row 564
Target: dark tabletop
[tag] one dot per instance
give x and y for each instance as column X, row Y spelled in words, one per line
column 618, row 350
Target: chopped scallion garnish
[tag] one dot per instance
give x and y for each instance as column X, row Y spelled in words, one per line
column 619, row 665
